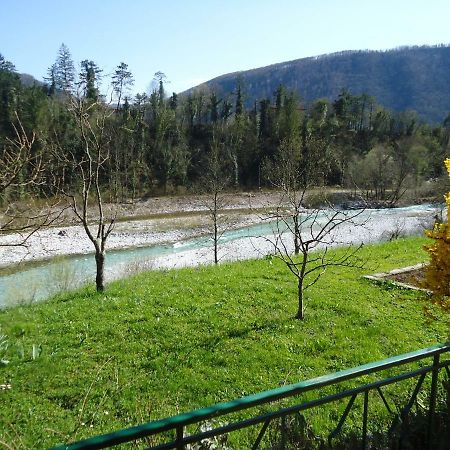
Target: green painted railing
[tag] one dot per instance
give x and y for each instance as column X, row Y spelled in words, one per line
column 179, row 422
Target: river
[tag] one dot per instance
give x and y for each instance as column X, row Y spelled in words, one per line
column 28, row 282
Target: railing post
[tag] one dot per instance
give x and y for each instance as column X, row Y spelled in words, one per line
column 365, row 413
column 283, row 432
column 179, row 441
column 432, row 407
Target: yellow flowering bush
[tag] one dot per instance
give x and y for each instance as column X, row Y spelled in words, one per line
column 437, row 273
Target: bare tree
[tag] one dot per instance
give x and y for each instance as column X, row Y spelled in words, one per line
column 122, row 80
column 301, row 237
column 213, row 184
column 87, row 162
column 17, row 156
column 22, row 167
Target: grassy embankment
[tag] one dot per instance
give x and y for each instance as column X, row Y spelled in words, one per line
column 167, row 342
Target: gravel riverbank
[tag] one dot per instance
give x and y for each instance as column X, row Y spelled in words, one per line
column 154, row 221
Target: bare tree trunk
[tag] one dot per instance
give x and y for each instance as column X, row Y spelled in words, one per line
column 296, row 235
column 216, row 258
column 300, row 312
column 236, row 170
column 100, row 264
column 216, row 230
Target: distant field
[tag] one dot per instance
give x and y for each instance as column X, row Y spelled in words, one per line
column 170, row 341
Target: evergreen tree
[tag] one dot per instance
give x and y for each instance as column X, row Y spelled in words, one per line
column 89, row 76
column 160, row 78
column 173, row 102
column 226, row 111
column 279, row 96
column 51, row 79
column 10, row 88
column 190, row 112
column 214, row 107
column 64, row 70
column 239, row 106
column 264, row 118
column 5, row 65
column 122, row 80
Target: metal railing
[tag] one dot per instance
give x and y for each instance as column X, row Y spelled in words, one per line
column 178, row 424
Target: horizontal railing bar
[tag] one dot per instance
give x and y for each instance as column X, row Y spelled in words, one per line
column 294, row 409
column 252, row 400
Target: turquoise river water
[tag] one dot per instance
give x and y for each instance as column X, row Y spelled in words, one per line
column 29, row 282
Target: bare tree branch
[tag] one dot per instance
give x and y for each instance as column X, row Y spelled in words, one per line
column 22, row 165
column 17, row 156
column 301, row 237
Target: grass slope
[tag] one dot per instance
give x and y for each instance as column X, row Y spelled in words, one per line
column 166, row 342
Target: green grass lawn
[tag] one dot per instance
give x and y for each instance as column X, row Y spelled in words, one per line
column 167, row 342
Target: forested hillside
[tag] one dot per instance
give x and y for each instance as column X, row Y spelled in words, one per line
column 411, row 78
column 52, row 135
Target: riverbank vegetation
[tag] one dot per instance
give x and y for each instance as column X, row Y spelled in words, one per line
column 164, row 342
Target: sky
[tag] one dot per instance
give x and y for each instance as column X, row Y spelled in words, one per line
column 194, row 41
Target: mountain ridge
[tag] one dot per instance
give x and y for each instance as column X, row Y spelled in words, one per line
column 28, row 80
column 405, row 78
